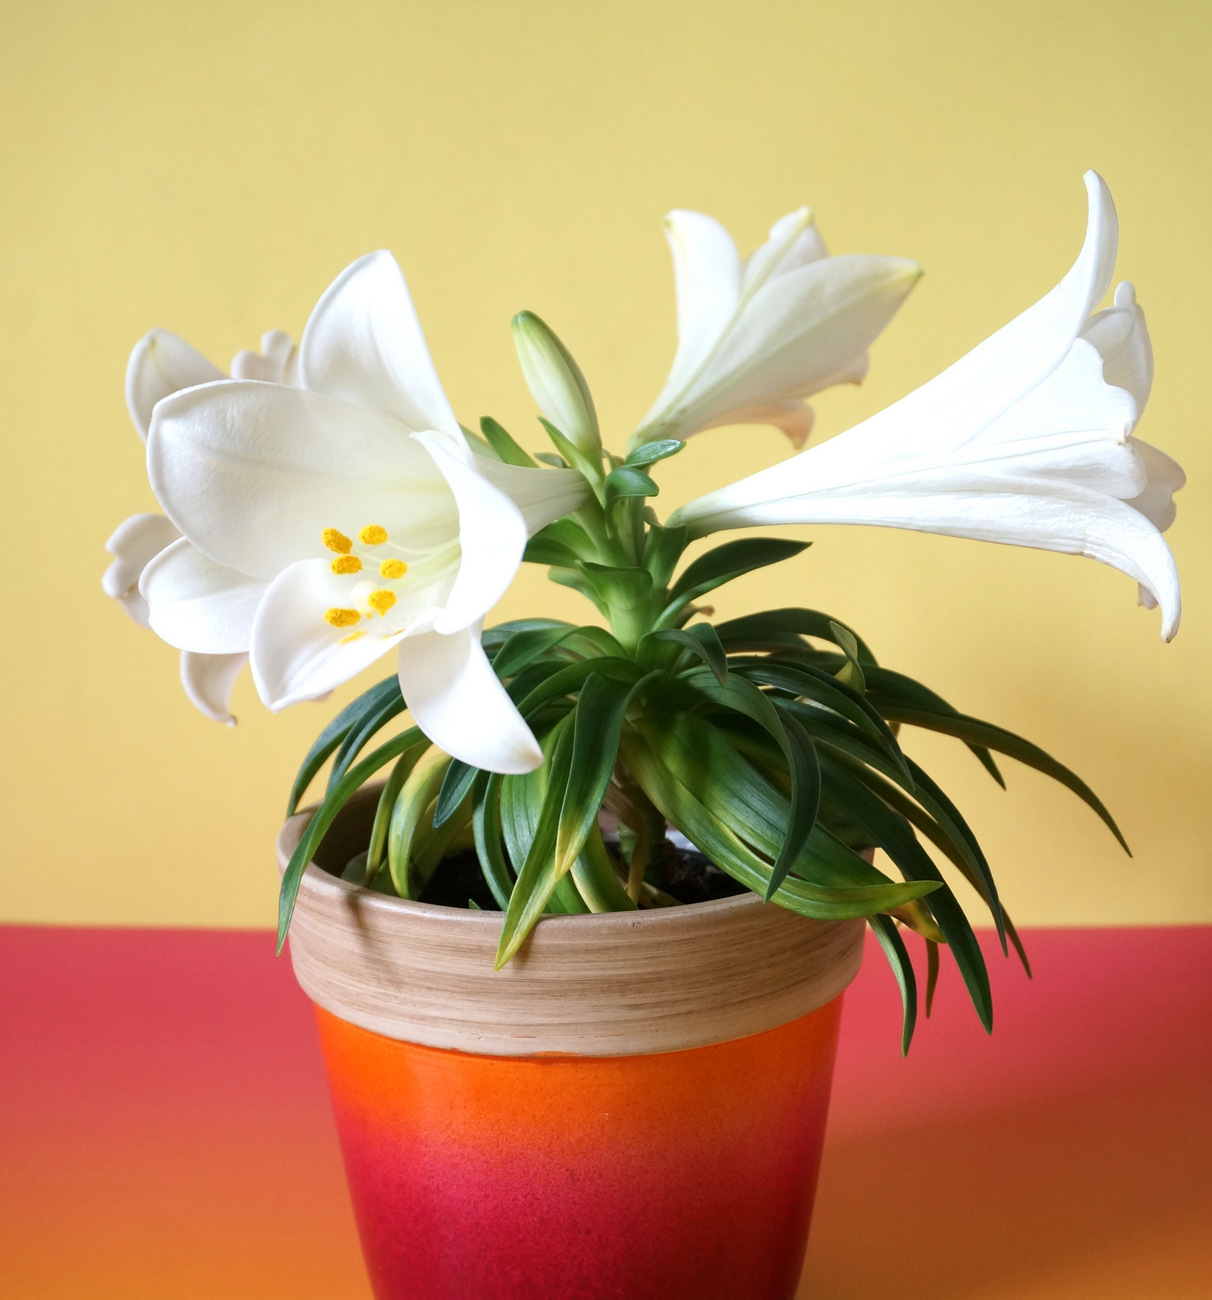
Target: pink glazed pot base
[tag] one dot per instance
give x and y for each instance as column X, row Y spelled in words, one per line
column 651, row 1177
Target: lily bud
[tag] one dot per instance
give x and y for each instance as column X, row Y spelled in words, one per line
column 555, row 382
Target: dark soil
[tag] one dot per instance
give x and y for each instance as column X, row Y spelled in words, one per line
column 688, row 876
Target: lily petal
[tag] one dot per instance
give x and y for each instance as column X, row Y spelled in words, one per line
column 542, row 495
column 459, row 703
column 1122, row 339
column 134, row 544
column 492, row 537
column 160, row 364
column 1026, row 440
column 276, row 363
column 253, row 473
column 208, row 682
column 364, row 345
column 296, row 654
column 794, row 241
column 196, row 604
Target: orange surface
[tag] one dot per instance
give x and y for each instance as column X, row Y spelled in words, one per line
column 165, row 1132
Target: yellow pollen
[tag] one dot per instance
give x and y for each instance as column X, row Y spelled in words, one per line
column 381, row 601
column 336, row 540
column 346, row 564
column 393, row 569
column 373, row 535
column 341, row 617
column 353, row 636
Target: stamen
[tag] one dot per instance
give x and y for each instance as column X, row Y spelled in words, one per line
column 342, row 617
column 381, row 601
column 393, row 569
column 336, row 540
column 372, row 535
column 346, row 564
column 353, row 636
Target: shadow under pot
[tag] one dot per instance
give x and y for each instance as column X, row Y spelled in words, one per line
column 633, row 1108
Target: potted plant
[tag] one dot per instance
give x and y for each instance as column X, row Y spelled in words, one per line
column 578, row 936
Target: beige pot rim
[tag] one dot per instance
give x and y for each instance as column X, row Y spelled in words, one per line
column 610, row 984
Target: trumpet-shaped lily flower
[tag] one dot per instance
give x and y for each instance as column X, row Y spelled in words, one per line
column 1026, row 440
column 757, row 337
column 162, row 364
column 330, row 522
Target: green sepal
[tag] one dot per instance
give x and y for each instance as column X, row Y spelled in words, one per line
column 502, row 442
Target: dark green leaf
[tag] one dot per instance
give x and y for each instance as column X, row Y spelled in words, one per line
column 700, row 639
column 486, row 830
column 359, row 735
column 336, row 731
column 753, row 629
column 455, row 787
column 629, row 481
column 524, row 647
column 898, row 958
column 724, row 563
column 663, row 548
column 589, row 467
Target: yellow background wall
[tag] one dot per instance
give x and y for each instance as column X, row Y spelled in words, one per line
column 210, row 167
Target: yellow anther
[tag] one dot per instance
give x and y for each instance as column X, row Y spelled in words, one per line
column 381, row 601
column 393, row 569
column 346, row 564
column 353, row 636
column 341, row 617
column 372, row 535
column 336, row 540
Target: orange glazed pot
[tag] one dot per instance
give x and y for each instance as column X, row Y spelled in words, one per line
column 633, row 1108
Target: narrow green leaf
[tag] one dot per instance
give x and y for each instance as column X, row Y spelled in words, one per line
column 651, row 452
column 524, row 647
column 932, row 965
column 336, row 731
column 663, row 548
column 323, row 817
column 851, row 673
column 898, row 958
column 455, row 787
column 502, row 442
column 486, row 831
column 492, row 638
column 359, row 735
column 701, row 640
column 588, row 467
column 409, row 827
column 724, row 563
column 387, row 801
column 743, row 633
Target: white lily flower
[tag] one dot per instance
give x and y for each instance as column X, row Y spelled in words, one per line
column 354, row 503
column 756, row 337
column 161, row 364
column 1027, row 440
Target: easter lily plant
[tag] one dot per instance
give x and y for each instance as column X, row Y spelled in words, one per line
column 323, row 506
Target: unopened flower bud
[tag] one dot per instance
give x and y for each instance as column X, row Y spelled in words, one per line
column 555, row 382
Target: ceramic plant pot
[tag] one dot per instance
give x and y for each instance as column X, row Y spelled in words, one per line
column 633, row 1108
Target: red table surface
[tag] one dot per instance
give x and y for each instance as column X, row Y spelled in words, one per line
column 165, row 1130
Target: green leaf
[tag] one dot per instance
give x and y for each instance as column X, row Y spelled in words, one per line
column 724, row 563
column 455, row 787
column 974, row 731
column 549, row 458
column 701, row 640
column 663, row 548
column 598, row 721
column 595, row 878
column 387, row 801
column 651, row 452
column 492, row 638
column 629, row 481
column 851, row 673
column 588, row 466
column 932, row 965
column 336, row 731
column 359, row 735
column 524, row 647
column 753, row 630
column 322, row 819
column 409, row 827
column 486, row 832
column 503, row 443
column 649, row 761
column 898, row 958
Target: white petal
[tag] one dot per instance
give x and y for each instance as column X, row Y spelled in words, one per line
column 208, row 682
column 1122, row 338
column 794, row 418
column 707, row 278
column 296, row 654
column 459, row 703
column 1164, row 477
column 492, row 537
column 134, row 543
column 794, row 241
column 253, row 474
column 364, row 344
column 274, row 364
column 162, row 364
column 542, row 495
column 196, row 604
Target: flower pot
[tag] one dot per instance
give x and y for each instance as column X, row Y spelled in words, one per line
column 633, row 1107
